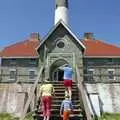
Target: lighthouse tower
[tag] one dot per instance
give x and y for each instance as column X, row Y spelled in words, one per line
column 61, row 11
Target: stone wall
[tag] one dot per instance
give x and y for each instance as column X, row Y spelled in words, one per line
column 101, row 67
column 13, row 98
column 22, row 74
column 22, row 68
column 108, row 97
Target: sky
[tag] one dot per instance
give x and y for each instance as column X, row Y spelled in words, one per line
column 19, row 18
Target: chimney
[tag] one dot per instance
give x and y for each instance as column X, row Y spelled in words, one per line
column 61, row 11
column 88, row 36
column 34, row 36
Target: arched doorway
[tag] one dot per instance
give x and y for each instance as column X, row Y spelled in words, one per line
column 55, row 73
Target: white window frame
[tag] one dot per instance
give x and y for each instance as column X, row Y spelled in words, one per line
column 89, row 70
column 14, row 70
column 33, row 70
column 113, row 74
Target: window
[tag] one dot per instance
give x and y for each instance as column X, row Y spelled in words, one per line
column 90, row 74
column 32, row 74
column 110, row 61
column 12, row 74
column 13, row 61
column 60, row 44
column 111, row 73
column 32, row 62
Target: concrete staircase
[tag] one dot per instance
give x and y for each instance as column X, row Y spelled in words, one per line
column 57, row 100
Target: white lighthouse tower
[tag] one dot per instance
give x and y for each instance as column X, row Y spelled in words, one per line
column 61, row 11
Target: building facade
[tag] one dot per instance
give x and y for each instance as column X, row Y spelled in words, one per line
column 98, row 63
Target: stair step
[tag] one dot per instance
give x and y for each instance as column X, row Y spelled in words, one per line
column 62, row 87
column 59, row 82
column 63, row 93
column 72, row 115
column 60, row 101
column 57, row 100
column 62, row 98
column 57, row 111
column 63, row 90
column 54, row 106
column 62, row 83
column 58, row 117
column 74, row 105
column 55, row 85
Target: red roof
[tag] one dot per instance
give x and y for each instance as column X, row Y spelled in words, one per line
column 94, row 48
column 97, row 48
column 25, row 48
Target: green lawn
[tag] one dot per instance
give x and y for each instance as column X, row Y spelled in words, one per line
column 6, row 116
column 106, row 116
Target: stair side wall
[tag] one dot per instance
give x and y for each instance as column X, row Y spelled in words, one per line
column 108, row 97
column 13, row 98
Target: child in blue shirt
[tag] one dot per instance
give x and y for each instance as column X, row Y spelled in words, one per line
column 67, row 78
column 66, row 108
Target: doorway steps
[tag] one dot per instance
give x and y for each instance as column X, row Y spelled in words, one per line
column 57, row 100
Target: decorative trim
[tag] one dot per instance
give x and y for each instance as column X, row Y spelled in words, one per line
column 53, row 29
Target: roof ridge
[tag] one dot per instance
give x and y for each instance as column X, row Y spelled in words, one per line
column 110, row 44
column 20, row 42
column 104, row 42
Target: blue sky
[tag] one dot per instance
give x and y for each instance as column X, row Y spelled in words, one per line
column 18, row 18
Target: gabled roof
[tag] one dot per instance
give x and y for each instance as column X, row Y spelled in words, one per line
column 93, row 48
column 22, row 49
column 97, row 48
column 67, row 28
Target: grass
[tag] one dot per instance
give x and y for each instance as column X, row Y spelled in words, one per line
column 105, row 116
column 6, row 116
column 109, row 116
column 29, row 116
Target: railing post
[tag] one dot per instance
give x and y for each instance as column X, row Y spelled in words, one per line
column 31, row 95
column 82, row 92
